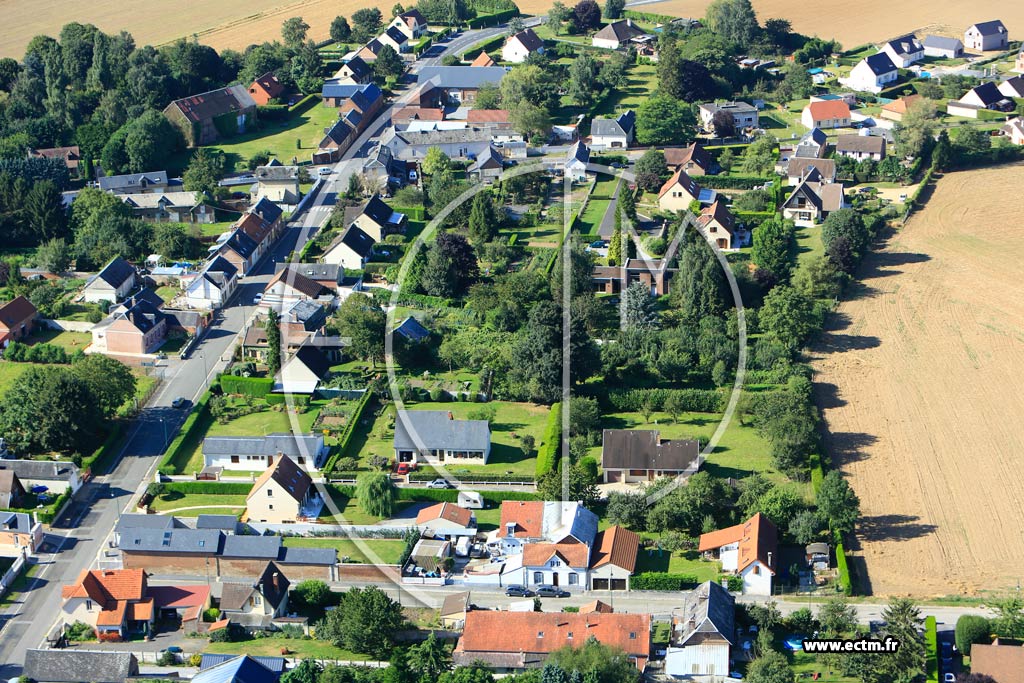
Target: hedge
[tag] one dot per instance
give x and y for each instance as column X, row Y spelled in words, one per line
column 215, row 488
column 423, row 44
column 754, row 217
column 648, row 17
column 346, row 436
column 416, row 213
column 98, row 459
column 512, row 239
column 257, row 387
column 484, row 46
column 547, row 454
column 470, row 478
column 49, row 513
column 198, row 421
column 483, row 20
column 693, row 400
column 845, row 584
column 931, row 650
column 662, row 581
column 734, row 182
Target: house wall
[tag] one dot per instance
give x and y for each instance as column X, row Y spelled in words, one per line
column 729, row 557
column 860, row 155
column 676, row 199
column 99, row 290
column 284, row 192
column 941, row 52
column 80, row 609
column 975, row 41
column 609, row 573
column 514, row 52
column 444, row 456
column 344, row 256
column 610, row 141
column 757, row 580
column 273, row 504
column 123, row 337
column 605, row 43
column 13, row 543
column 241, row 263
column 443, row 528
column 956, row 109
column 19, row 330
column 560, row 575
column 252, row 463
column 804, row 217
column 698, row 661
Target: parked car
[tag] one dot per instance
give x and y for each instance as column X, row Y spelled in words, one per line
column 178, row 402
column 551, row 592
column 949, row 678
column 325, row 170
column 518, row 592
column 404, row 468
column 412, row 176
column 439, row 484
column 257, row 299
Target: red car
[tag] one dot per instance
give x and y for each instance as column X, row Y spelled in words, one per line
column 404, row 468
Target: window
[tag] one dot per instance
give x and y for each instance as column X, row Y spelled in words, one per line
column 270, row 493
column 632, row 635
column 569, row 635
column 202, row 543
column 301, row 460
column 88, row 605
column 757, row 569
column 270, row 507
column 538, row 577
column 540, row 634
column 574, row 579
column 234, row 459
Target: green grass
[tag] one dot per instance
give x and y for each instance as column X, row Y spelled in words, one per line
column 643, row 80
column 18, row 586
column 271, row 647
column 590, row 219
column 488, row 520
column 384, row 551
column 688, row 562
column 348, row 509
column 65, row 339
column 175, row 500
column 168, row 292
column 9, row 374
column 804, row 663
column 808, row 244
column 215, row 229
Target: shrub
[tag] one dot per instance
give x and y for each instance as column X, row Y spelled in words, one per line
column 257, row 387
column 662, row 581
column 547, row 454
column 80, row 632
column 971, row 629
column 931, row 649
column 215, row 488
column 211, row 615
column 845, row 584
column 691, row 400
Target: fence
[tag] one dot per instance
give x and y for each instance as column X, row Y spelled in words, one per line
column 68, row 325
column 12, row 574
column 301, row 206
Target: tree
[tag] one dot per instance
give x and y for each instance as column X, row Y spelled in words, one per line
column 362, row 319
column 726, row 159
column 942, row 155
column 699, row 287
column 789, row 315
column 526, row 444
column 388, row 64
column 837, row 617
column 483, row 219
column 903, row 622
column 914, row 132
column 770, row 667
column 640, row 312
column 1009, row 619
column 584, row 416
column 837, row 502
column 294, row 31
column 583, row 89
column 558, row 14
column 204, row 170
column 340, row 30
column 627, row 200
column 615, row 244
column 312, row 593
column 760, row 156
column 613, row 9
column 306, row 66
column 376, row 494
column 723, row 124
column 972, row 140
column 651, row 169
column 971, row 629
column 367, row 22
column 663, row 120
column 435, row 161
column 43, row 210
column 587, row 15
column 30, row 423
column 796, row 83
column 773, row 243
column 734, row 20
column 273, row 329
column 307, row 671
column 54, row 255
column 365, row 622
column 628, row 509
column 805, row 527
column 529, row 119
column 429, row 659
column 592, row 662
column 474, row 673
column 111, row 382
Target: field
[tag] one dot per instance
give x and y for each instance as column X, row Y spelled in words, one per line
column 917, row 380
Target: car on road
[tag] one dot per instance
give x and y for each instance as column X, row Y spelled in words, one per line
column 551, row 592
column 949, row 678
column 179, row 402
column 439, row 484
column 257, row 299
column 325, row 170
column 515, row 591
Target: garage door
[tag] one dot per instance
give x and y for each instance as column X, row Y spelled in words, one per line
column 618, row 584
column 613, row 476
column 599, row 584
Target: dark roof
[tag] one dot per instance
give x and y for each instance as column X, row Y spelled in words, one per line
column 285, row 473
column 641, row 449
column 412, row 329
column 880, row 64
column 799, row 166
column 311, row 314
column 292, row 445
column 41, row 469
column 489, row 159
column 144, row 540
column 262, row 547
column 367, row 91
column 620, row 125
column 530, row 40
column 240, row 243
column 269, row 83
column 16, row 311
column 988, row 93
column 116, row 272
column 222, row 522
column 313, row 359
column 989, row 28
column 133, row 520
column 377, row 210
column 578, row 152
column 460, row 77
column 132, row 180
column 318, row 556
column 321, row 272
column 299, row 282
column 943, row 43
column 73, row 666
column 358, row 67
column 275, row 664
column 396, row 35
column 358, row 241
column 219, row 264
column 621, row 31
column 272, row 583
column 241, row 669
column 708, row 612
column 337, row 133
column 435, row 429
column 414, row 14
column 209, row 105
column 905, row 45
column 267, row 210
column 869, row 144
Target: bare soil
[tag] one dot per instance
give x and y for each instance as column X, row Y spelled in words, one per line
column 919, row 381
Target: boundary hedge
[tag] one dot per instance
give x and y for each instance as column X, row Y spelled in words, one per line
column 257, row 387
column 452, row 496
column 98, row 459
column 346, row 436
column 694, row 400
column 662, row 581
column 470, row 478
column 215, row 488
column 482, row 20
column 198, row 419
column 547, row 454
column 931, row 650
column 734, row 182
column 845, row 583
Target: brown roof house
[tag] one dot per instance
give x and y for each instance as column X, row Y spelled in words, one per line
column 210, row 116
column 446, row 520
column 255, row 603
column 693, row 160
column 680, row 190
column 749, row 550
column 813, row 199
column 266, row 88
column 616, row 34
column 640, row 455
column 115, row 602
column 613, row 558
column 283, row 494
column 453, row 610
column 71, row 156
column 17, row 320
column 718, row 226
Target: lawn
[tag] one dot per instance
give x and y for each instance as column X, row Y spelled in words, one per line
column 215, row 229
column 168, row 292
column 590, row 219
column 488, row 520
column 65, row 339
column 688, row 562
column 643, row 80
column 272, row 646
column 143, row 384
column 806, row 665
column 383, row 551
column 9, row 373
column 173, row 500
column 808, row 244
column 511, row 421
column 348, row 509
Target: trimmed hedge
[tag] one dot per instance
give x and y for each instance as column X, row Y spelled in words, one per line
column 346, row 436
column 845, row 584
column 754, row 217
column 199, row 420
column 931, row 650
column 693, row 400
column 648, row 17
column 547, row 454
column 47, row 515
column 483, row 20
column 416, row 213
column 470, row 478
column 215, row 488
column 662, row 581
column 734, row 182
column 817, row 473
column 257, row 387
column 98, row 459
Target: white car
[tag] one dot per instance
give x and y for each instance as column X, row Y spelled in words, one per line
column 412, row 176
column 949, row 678
column 438, row 484
column 257, row 299
column 325, row 170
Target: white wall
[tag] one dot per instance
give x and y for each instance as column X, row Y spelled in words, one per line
column 698, row 660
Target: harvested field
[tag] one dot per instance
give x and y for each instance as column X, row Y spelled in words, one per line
column 918, row 377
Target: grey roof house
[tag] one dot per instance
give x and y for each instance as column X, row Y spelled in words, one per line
column 941, row 46
column 638, row 455
column 112, row 283
column 74, row 666
column 134, row 183
column 703, row 632
column 436, row 436
column 240, row 669
column 614, row 133
column 251, row 454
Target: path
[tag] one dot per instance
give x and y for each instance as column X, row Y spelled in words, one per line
column 608, row 221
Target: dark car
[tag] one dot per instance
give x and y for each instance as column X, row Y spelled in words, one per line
column 518, row 592
column 551, row 592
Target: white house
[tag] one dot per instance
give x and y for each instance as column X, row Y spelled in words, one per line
column 743, row 115
column 904, row 51
column 213, row 286
column 703, row 634
column 749, row 550
column 828, row 114
column 252, row 454
column 872, row 74
column 943, row 47
column 521, row 45
column 289, row 287
column 988, row 35
column 446, row 520
column 616, row 34
column 395, row 38
column 351, row 249
column 614, row 133
column 412, row 23
column 1014, row 129
column 436, row 436
column 117, row 279
column 576, row 162
column 861, row 147
column 303, row 371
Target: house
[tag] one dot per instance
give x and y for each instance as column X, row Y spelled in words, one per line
column 942, row 47
column 380, row 165
column 453, row 610
column 239, row 669
column 743, row 115
column 134, row 183
column 613, row 559
column 904, row 51
column 20, row 534
column 112, row 283
column 207, row 117
column 458, row 142
column 394, row 38
column 1004, row 662
column 1014, row 129
column 799, row 166
column 872, row 74
column 833, row 114
column 72, row 156
column 170, row 207
column 240, row 250
column 860, row 147
column 640, row 455
column 813, row 199
column 226, row 523
column 336, row 140
column 429, row 558
column 255, row 603
column 115, row 602
column 435, row 436
column 596, row 607
column 703, row 633
column 749, row 550
column 614, row 133
column 379, row 220
column 266, row 89
column 988, row 35
column 981, row 97
column 513, row 641
column 446, row 520
column 12, row 491
column 328, row 275
column 412, row 23
column 555, row 523
column 1013, row 87
column 365, row 98
column 74, row 666
column 458, row 84
column 651, row 273
column 616, row 34
column 56, row 476
column 412, row 330
column 275, row 665
column 353, row 72
column 369, row 52
column 248, row 454
column 351, row 249
column 680, row 190
column 404, row 116
column 1019, row 64
column 259, row 231
column 521, row 45
column 277, row 183
column 813, row 145
column 17, row 320
column 895, row 110
column 283, row 494
column 718, row 226
column 136, row 327
column 576, row 162
column 482, row 59
column 213, row 286
column 694, row 160
column 288, row 287
column 303, row 372
column 487, row 167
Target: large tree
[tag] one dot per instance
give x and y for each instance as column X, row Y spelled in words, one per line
column 111, row 381
column 272, row 327
column 294, row 31
column 789, row 315
column 340, row 30
column 204, row 170
column 388, row 64
column 365, row 622
column 376, row 493
column 587, row 15
column 770, row 667
column 366, row 23
column 483, row 219
column 583, row 87
column 773, row 244
column 50, row 409
column 663, row 120
column 362, row 319
column 734, row 20
column 838, row 503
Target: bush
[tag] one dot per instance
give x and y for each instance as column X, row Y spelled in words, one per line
column 692, row 400
column 662, row 581
column 845, row 584
column 80, row 632
column 211, row 615
column 473, row 478
column 346, row 436
column 734, row 182
column 931, row 649
column 547, row 454
column 215, row 488
column 971, row 629
column 257, row 387
column 734, row 583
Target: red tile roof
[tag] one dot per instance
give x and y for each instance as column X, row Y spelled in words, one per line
column 112, row 615
column 447, row 511
column 16, row 312
column 538, row 554
column 681, row 178
column 174, row 597
column 487, row 116
column 596, row 606
column 528, row 517
column 757, row 538
column 901, row 105
column 140, row 611
column 616, row 545
column 254, row 226
column 108, row 585
column 830, row 109
column 482, row 59
column 269, row 84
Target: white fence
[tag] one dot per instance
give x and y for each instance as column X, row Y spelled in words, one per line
column 11, row 574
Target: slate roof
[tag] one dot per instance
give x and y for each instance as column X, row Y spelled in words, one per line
column 989, row 28
column 272, row 583
column 286, row 474
column 74, row 666
column 336, row 134
column 41, row 469
column 274, row 664
column 396, row 35
column 708, row 613
column 152, row 200
column 798, row 167
column 111, row 183
column 267, row 210
column 261, row 547
column 460, row 77
column 620, row 125
column 943, row 43
column 528, row 39
column 368, row 92
column 200, row 541
column 880, row 64
column 381, row 213
column 866, row 144
column 359, row 68
column 578, row 153
column 434, row 429
column 358, row 241
column 15, row 521
column 209, row 105
column 240, row 669
column 905, row 45
column 299, row 283
column 292, row 445
column 223, row 522
column 488, row 160
column 313, row 359
column 641, row 449
column 412, row 329
column 116, row 272
column 621, row 31
column 240, row 243
column 318, row 556
column 987, row 92
column 134, row 520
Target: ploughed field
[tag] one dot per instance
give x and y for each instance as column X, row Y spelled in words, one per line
column 919, row 378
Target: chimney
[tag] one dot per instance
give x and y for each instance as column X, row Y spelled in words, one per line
column 769, row 560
